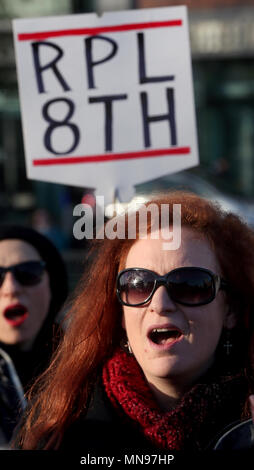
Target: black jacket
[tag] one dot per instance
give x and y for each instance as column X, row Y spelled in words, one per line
column 238, row 437
column 104, row 431
column 12, row 401
column 18, row 369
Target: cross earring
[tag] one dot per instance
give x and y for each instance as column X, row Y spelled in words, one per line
column 228, row 343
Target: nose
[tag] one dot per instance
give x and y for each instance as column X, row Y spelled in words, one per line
column 10, row 285
column 161, row 301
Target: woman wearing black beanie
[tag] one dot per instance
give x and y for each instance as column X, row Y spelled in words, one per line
column 33, row 289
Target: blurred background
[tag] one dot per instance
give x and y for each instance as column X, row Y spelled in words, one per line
column 222, row 47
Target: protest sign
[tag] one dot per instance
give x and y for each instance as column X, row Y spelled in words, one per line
column 107, row 102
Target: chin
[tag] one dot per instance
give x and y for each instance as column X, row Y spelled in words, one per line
column 11, row 341
column 164, row 367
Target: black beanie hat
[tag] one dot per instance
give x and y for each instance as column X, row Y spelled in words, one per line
column 54, row 263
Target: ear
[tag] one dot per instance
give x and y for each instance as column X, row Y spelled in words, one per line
column 230, row 320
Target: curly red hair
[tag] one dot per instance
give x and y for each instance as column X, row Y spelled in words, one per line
column 94, row 330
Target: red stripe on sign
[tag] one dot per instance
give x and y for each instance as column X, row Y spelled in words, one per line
column 98, row 30
column 112, row 157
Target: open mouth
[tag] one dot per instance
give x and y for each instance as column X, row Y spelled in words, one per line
column 164, row 336
column 16, row 314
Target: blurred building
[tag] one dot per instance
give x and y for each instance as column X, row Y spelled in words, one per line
column 21, row 200
column 20, row 197
column 222, row 44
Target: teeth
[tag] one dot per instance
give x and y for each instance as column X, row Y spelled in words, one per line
column 161, row 330
column 164, row 335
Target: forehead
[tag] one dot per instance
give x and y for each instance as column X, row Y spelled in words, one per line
column 195, row 250
column 17, row 251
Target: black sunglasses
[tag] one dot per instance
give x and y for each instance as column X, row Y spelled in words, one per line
column 190, row 286
column 27, row 274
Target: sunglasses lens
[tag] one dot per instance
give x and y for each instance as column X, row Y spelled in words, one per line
column 135, row 286
column 30, row 273
column 192, row 286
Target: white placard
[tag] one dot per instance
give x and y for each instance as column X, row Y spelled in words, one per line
column 107, row 102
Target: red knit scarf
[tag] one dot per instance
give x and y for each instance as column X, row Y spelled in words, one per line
column 204, row 411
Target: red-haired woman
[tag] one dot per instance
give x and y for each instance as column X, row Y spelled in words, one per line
column 158, row 353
